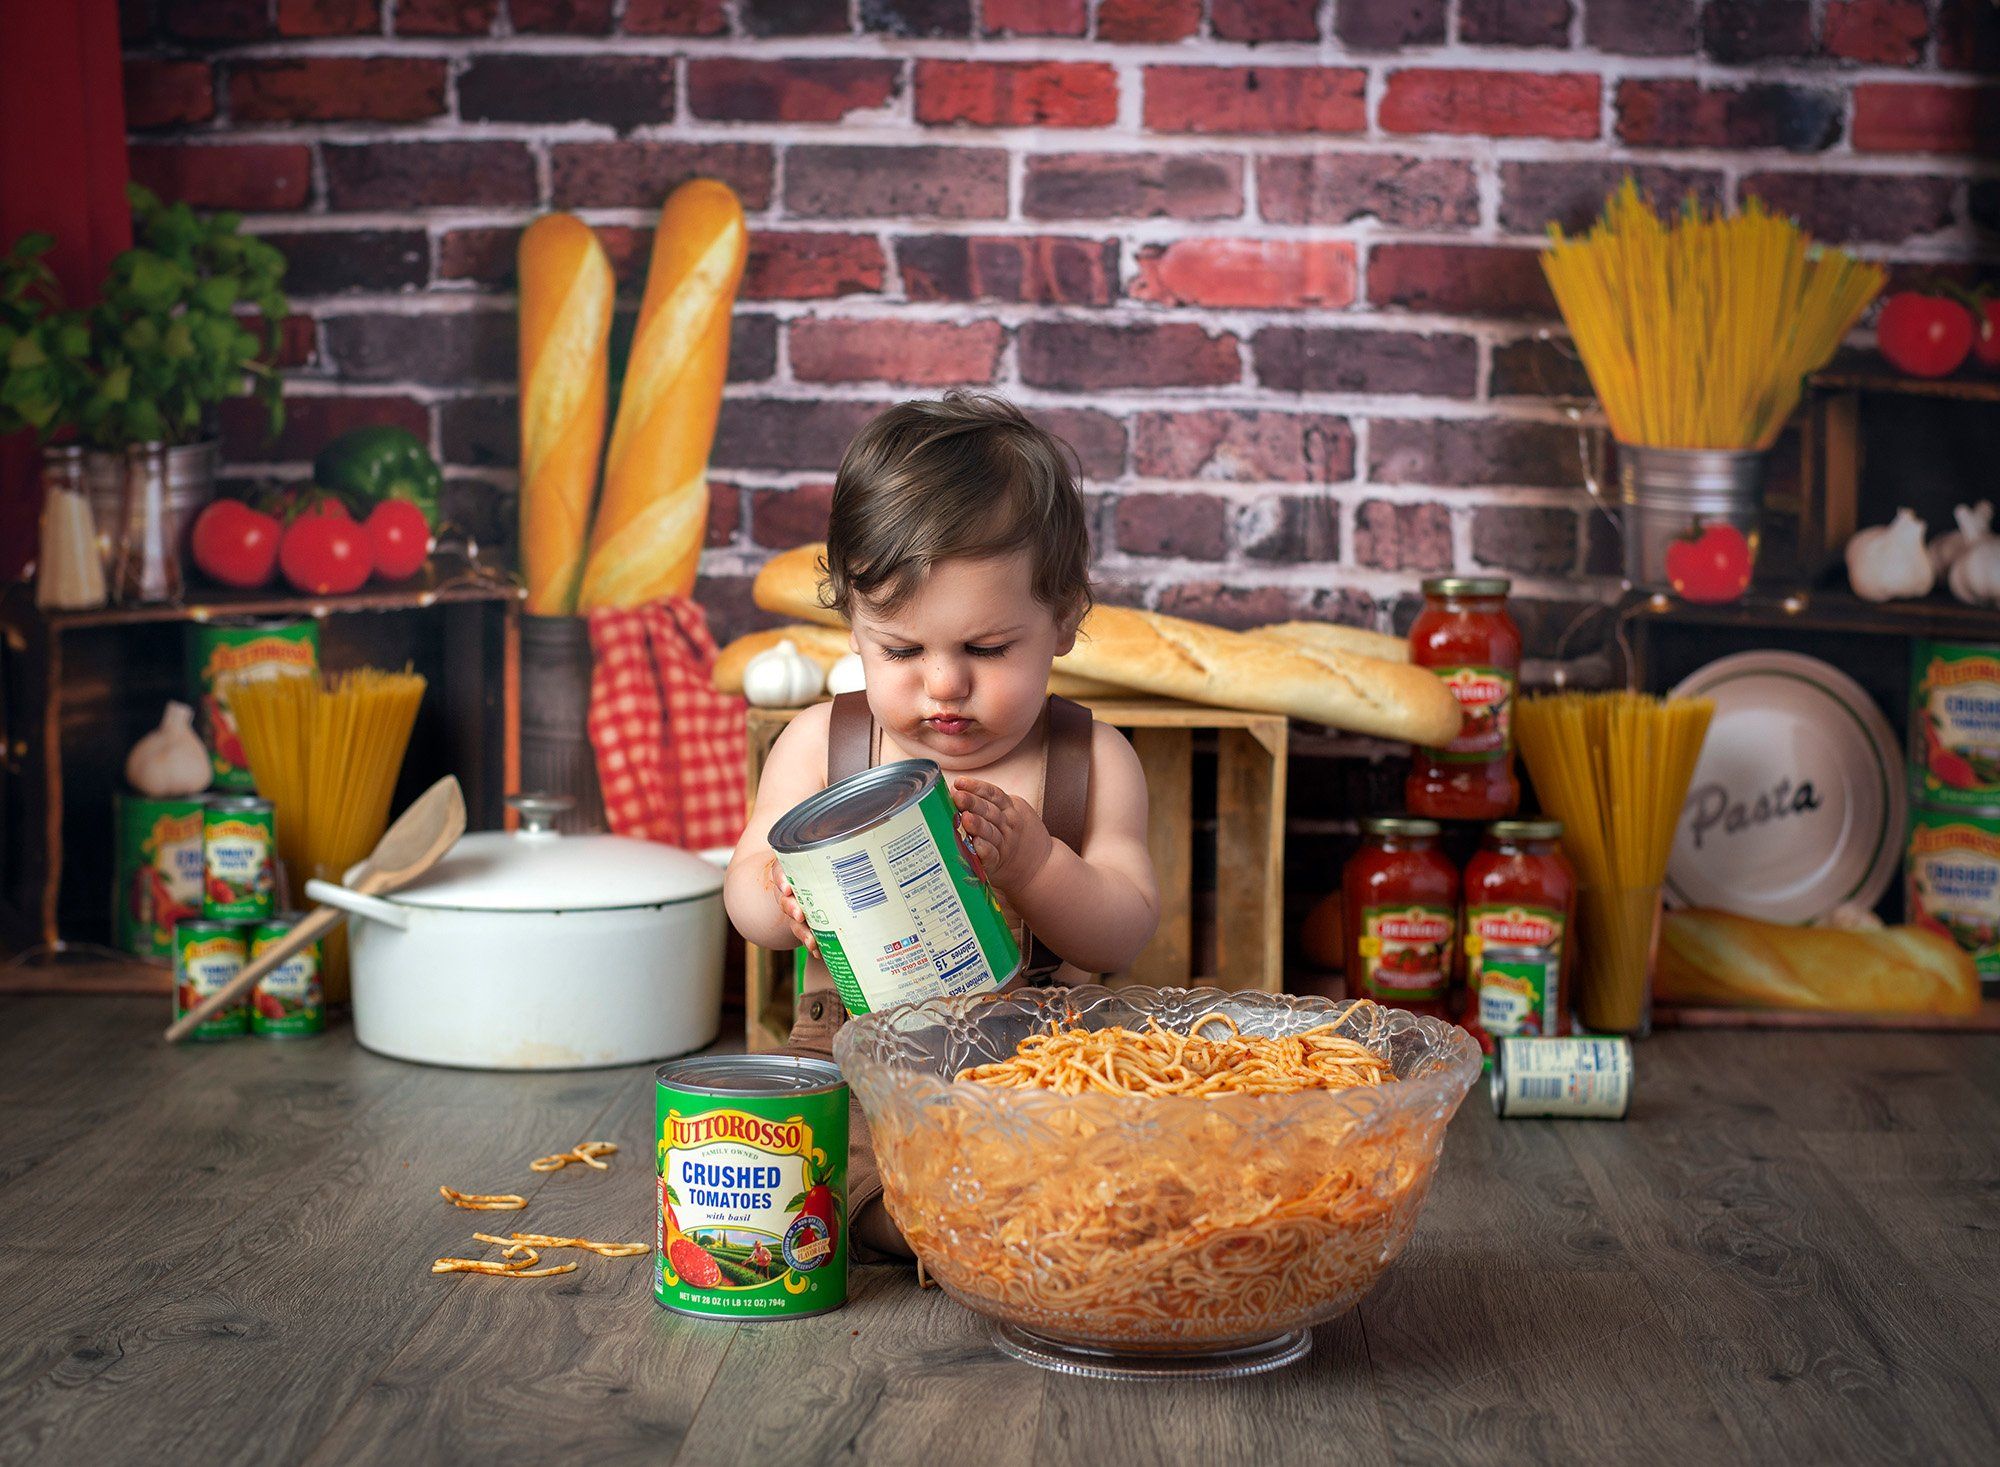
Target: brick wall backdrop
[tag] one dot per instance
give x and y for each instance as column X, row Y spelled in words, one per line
column 1268, row 264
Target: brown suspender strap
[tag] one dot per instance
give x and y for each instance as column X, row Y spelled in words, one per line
column 1065, row 798
column 1066, row 783
column 850, row 736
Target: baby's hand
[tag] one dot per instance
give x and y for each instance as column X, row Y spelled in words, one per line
column 794, row 913
column 1006, row 833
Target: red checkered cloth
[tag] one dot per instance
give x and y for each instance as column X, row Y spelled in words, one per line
column 670, row 748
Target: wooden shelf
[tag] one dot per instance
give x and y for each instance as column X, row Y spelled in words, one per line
column 450, row 584
column 1968, row 384
column 1830, row 610
column 78, row 687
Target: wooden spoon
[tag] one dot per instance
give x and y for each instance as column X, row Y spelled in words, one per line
column 409, row 848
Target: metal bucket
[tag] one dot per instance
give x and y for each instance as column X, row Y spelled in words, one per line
column 556, row 756
column 1689, row 519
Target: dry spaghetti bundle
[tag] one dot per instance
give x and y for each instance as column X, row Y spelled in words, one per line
column 1699, row 333
column 326, row 754
column 1202, row 1188
column 1614, row 768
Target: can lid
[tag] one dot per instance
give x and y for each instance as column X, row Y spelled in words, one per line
column 750, row 1074
column 1467, row 585
column 852, row 805
column 1399, row 825
column 1525, row 829
column 237, row 802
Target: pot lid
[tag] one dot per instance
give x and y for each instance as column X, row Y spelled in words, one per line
column 537, row 869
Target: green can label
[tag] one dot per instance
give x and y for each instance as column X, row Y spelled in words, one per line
column 1406, row 952
column 258, row 649
column 902, row 911
column 1513, row 967
column 207, row 955
column 1953, row 876
column 752, row 1203
column 1955, row 724
column 239, row 862
column 287, row 1002
column 158, row 880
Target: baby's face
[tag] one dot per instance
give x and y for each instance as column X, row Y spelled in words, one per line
column 960, row 669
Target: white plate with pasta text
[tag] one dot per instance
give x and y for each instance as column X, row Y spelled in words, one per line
column 1797, row 804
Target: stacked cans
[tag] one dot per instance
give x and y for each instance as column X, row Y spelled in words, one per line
column 1952, row 871
column 238, row 920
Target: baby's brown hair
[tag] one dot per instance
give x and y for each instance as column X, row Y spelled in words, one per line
column 964, row 477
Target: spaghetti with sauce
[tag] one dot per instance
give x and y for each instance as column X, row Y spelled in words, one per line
column 1173, row 1190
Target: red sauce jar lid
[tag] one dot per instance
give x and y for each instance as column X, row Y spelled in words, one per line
column 1467, row 586
column 1399, row 825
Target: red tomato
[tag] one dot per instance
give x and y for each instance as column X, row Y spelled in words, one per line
column 1923, row 335
column 324, row 553
column 234, row 544
column 1712, row 566
column 1986, row 342
column 400, row 537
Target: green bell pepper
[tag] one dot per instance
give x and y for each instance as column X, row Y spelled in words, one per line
column 366, row 466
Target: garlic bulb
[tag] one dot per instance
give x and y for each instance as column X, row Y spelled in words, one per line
column 846, row 676
column 781, row 677
column 1975, row 575
column 1975, row 523
column 171, row 761
column 1888, row 563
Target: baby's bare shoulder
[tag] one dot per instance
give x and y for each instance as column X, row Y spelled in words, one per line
column 800, row 751
column 1114, row 763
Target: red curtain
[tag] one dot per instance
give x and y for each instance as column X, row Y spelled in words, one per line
column 62, row 171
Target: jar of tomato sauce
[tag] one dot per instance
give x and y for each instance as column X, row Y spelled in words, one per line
column 1520, row 899
column 1400, row 902
column 1466, row 637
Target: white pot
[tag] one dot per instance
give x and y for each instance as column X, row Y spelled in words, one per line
column 539, row 951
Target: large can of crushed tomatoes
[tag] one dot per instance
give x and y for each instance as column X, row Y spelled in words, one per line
column 892, row 890
column 1955, row 724
column 1952, row 881
column 752, row 1166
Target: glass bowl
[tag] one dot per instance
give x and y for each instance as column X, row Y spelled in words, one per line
column 1124, row 1236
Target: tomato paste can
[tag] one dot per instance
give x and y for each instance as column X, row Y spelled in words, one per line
column 1952, row 880
column 239, row 859
column 207, row 955
column 1955, row 724
column 157, row 871
column 287, row 1002
column 241, row 649
column 752, row 1168
column 1583, row 1078
column 892, row 890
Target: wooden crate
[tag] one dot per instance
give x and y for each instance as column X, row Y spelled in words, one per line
column 1249, row 857
column 78, row 687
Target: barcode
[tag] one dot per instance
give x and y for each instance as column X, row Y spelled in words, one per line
column 1538, row 1087
column 859, row 884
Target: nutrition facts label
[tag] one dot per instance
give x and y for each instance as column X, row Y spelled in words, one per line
column 943, row 935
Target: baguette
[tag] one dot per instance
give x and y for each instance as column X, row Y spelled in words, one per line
column 788, row 585
column 1709, row 957
column 1332, row 636
column 827, row 645
column 1191, row 660
column 654, row 517
column 566, row 290
column 1198, row 663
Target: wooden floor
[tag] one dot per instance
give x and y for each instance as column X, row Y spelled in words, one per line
column 1790, row 1253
